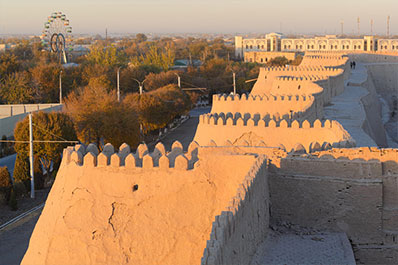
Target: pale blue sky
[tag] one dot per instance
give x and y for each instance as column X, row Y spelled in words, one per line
column 229, row 16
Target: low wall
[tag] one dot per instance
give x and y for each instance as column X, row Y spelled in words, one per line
column 11, row 114
column 236, row 233
column 249, row 131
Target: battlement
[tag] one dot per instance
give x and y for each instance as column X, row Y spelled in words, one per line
column 249, row 119
column 90, row 157
column 264, row 97
column 307, row 68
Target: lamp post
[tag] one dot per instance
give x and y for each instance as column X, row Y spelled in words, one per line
column 60, row 87
column 178, row 80
column 141, row 85
column 118, row 87
column 233, row 76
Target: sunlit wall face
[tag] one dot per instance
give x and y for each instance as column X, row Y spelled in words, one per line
column 229, row 16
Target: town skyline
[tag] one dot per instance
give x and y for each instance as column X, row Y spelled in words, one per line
column 176, row 16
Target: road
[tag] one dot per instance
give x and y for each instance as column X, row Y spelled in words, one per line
column 9, row 162
column 14, row 242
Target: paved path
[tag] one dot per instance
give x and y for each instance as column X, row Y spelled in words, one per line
column 347, row 108
column 319, row 249
column 14, row 241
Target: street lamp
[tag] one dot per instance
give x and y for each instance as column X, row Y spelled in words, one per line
column 118, row 87
column 233, row 76
column 60, row 87
column 178, row 80
column 141, row 85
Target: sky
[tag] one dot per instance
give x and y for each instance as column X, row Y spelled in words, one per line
column 201, row 16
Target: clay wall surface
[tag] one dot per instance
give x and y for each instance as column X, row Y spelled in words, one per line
column 351, row 190
column 301, row 105
column 119, row 208
column 11, row 114
column 265, row 56
column 236, row 233
column 243, row 128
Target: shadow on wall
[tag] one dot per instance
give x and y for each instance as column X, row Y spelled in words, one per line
column 348, row 190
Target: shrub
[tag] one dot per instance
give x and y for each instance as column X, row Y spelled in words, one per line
column 21, row 169
column 13, row 201
column 5, row 185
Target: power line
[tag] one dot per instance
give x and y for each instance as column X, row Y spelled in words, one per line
column 37, row 141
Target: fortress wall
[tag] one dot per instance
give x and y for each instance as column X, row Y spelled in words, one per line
column 271, row 133
column 384, row 76
column 11, row 114
column 352, row 190
column 98, row 213
column 301, row 105
column 375, row 57
column 237, row 232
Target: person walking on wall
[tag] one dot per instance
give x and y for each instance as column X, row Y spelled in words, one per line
column 353, row 64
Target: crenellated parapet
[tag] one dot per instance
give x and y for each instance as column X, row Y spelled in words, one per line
column 230, row 242
column 90, row 157
column 239, row 127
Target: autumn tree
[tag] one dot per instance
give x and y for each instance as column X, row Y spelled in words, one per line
column 159, row 107
column 154, row 81
column 45, row 78
column 106, row 56
column 159, row 57
column 98, row 116
column 16, row 89
column 54, row 126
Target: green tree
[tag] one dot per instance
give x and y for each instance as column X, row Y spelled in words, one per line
column 16, row 89
column 54, row 126
column 159, row 57
column 98, row 116
column 106, row 56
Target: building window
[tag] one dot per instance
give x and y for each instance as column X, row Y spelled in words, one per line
column 247, row 46
column 324, row 46
column 258, row 46
column 296, row 47
column 355, row 47
column 261, row 59
column 331, row 47
column 359, row 47
column 289, row 46
column 335, row 46
column 251, row 60
column 312, row 46
column 301, row 47
column 262, row 47
column 285, row 47
column 251, row 46
column 308, row 46
column 385, row 47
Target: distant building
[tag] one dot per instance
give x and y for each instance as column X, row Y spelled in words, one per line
column 265, row 57
column 276, row 42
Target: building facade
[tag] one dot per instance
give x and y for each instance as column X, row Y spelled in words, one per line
column 276, row 42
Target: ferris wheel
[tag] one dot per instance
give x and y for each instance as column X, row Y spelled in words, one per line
column 56, row 34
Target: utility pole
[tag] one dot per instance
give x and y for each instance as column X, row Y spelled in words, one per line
column 358, row 22
column 141, row 85
column 233, row 76
column 371, row 27
column 60, row 87
column 32, row 178
column 118, row 88
column 388, row 26
column 342, row 27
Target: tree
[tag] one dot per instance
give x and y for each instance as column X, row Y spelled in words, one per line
column 155, row 81
column 16, row 89
column 159, row 57
column 8, row 64
column 46, row 79
column 278, row 61
column 140, row 37
column 106, row 56
column 5, row 179
column 159, row 107
column 98, row 116
column 54, row 126
column 21, row 169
